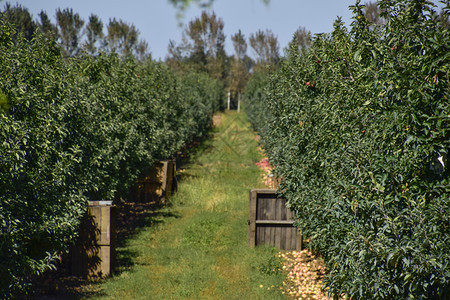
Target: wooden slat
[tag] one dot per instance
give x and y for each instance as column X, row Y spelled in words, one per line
column 252, row 218
column 289, row 238
column 274, row 222
column 299, row 245
column 278, row 216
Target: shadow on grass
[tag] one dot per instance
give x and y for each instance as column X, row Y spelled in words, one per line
column 195, row 149
column 132, row 219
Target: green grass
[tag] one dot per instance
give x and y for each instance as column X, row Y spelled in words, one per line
column 197, row 247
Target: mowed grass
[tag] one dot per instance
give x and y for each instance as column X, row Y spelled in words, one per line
column 197, row 247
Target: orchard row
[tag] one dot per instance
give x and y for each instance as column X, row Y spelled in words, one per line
column 80, row 129
column 358, row 129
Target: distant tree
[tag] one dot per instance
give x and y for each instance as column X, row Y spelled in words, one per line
column 240, row 66
column 142, row 52
column 303, row 37
column 240, row 45
column 266, row 47
column 176, row 56
column 94, row 33
column 21, row 18
column 240, row 49
column 46, row 26
column 121, row 37
column 69, row 26
column 373, row 13
column 208, row 42
column 301, row 40
column 202, row 47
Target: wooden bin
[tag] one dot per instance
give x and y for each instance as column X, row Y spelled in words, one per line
column 271, row 222
column 158, row 184
column 94, row 253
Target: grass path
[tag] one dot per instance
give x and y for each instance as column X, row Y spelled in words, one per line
column 197, row 247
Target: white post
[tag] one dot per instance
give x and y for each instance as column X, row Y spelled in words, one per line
column 239, row 102
column 229, row 95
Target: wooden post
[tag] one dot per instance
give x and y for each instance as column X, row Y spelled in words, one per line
column 158, row 183
column 252, row 219
column 104, row 218
column 229, row 99
column 94, row 253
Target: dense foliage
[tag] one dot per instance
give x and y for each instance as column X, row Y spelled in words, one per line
column 256, row 96
column 358, row 128
column 80, row 129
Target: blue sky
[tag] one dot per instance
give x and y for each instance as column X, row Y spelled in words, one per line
column 157, row 22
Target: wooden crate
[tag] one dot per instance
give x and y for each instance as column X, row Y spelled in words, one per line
column 158, row 183
column 94, row 253
column 216, row 120
column 270, row 222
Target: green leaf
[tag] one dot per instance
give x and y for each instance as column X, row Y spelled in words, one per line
column 357, row 56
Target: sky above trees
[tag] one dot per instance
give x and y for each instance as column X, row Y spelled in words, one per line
column 157, row 21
